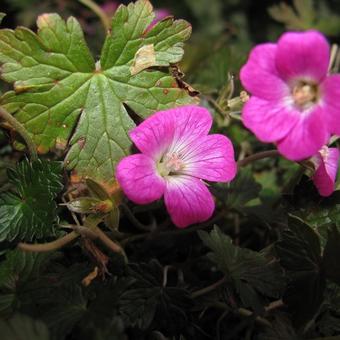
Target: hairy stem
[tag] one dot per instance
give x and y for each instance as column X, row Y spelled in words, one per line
column 49, row 246
column 257, row 156
column 98, row 11
column 21, row 130
column 208, row 289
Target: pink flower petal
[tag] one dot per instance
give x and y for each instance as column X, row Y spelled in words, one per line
column 210, row 158
column 325, row 175
column 330, row 90
column 259, row 75
column 302, row 54
column 138, row 177
column 307, row 136
column 270, row 121
column 188, row 200
column 183, row 124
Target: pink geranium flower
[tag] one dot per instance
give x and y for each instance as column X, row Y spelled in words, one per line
column 177, row 154
column 294, row 102
column 326, row 163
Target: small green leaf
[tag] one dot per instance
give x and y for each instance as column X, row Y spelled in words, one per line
column 22, row 327
column 331, row 256
column 299, row 18
column 87, row 205
column 2, row 15
column 306, row 14
column 30, row 211
column 323, row 215
column 250, row 271
column 59, row 88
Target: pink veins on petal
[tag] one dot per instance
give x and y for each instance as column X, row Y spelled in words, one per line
column 326, row 162
column 177, row 154
column 294, row 101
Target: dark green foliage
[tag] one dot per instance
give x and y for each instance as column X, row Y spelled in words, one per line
column 21, row 327
column 253, row 275
column 29, row 212
column 149, row 299
column 17, row 272
column 331, row 255
column 270, row 271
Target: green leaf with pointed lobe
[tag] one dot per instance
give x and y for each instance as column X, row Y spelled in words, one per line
column 30, row 211
column 251, row 272
column 64, row 98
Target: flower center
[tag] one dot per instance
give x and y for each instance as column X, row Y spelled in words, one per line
column 170, row 164
column 324, row 152
column 305, row 94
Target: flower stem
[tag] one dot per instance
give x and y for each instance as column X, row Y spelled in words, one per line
column 97, row 10
column 49, row 246
column 208, row 289
column 257, row 156
column 21, row 130
column 129, row 214
column 108, row 242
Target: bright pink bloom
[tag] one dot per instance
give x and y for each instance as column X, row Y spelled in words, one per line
column 326, row 163
column 176, row 155
column 294, row 103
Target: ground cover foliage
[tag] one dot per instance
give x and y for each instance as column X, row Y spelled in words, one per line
column 80, row 261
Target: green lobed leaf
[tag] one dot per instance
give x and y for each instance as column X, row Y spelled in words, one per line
column 58, row 87
column 30, row 211
column 22, row 327
column 250, row 271
column 146, row 300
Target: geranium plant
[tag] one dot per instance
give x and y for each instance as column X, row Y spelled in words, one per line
column 139, row 202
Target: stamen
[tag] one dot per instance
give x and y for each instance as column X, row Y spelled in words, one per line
column 305, row 94
column 170, row 164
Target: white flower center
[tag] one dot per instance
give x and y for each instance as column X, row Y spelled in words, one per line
column 305, row 94
column 170, row 164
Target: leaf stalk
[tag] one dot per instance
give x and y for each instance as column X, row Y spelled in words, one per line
column 21, row 130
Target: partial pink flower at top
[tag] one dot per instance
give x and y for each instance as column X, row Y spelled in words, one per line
column 294, row 102
column 177, row 154
column 160, row 14
column 326, row 163
column 109, row 7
